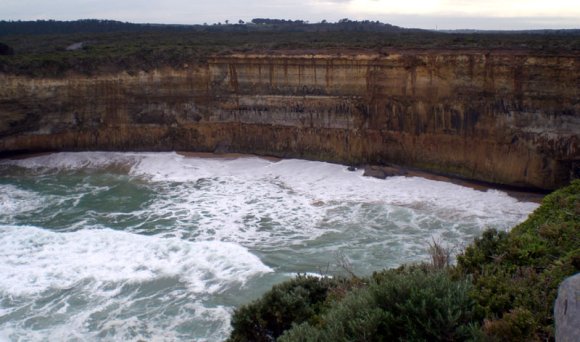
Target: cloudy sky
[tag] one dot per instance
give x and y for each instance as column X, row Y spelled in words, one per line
column 429, row 14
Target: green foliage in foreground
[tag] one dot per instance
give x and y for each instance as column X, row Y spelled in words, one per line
column 502, row 289
column 408, row 305
column 294, row 301
column 516, row 275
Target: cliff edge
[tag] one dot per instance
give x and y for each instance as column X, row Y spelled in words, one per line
column 505, row 117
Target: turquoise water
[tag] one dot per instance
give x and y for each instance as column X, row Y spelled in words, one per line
column 160, row 247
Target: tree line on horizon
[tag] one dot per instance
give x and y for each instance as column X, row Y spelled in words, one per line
column 36, row 27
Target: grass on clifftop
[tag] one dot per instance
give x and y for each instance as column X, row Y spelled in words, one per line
column 502, row 289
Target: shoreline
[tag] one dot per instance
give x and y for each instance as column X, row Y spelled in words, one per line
column 375, row 171
column 227, row 156
column 522, row 195
column 393, row 171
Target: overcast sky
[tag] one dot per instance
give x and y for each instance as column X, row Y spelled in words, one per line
column 428, row 14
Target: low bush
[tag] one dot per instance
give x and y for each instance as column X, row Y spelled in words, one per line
column 516, row 275
column 410, row 304
column 293, row 301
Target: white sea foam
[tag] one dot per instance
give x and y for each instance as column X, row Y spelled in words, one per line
column 185, row 226
column 14, row 200
column 256, row 212
column 329, row 182
column 211, row 324
column 301, row 185
column 177, row 168
column 317, row 180
column 234, row 199
column 34, row 260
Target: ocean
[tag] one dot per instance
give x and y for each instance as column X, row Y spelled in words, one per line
column 103, row 246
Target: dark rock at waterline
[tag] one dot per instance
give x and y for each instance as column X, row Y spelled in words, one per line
column 351, row 168
column 567, row 310
column 222, row 147
column 383, row 172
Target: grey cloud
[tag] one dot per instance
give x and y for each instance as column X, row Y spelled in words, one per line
column 197, row 12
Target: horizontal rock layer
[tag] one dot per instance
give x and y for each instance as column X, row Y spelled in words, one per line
column 501, row 117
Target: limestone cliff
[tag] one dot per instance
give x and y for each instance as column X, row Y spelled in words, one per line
column 503, row 117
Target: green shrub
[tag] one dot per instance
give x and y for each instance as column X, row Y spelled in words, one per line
column 484, row 250
column 516, row 325
column 405, row 305
column 519, row 273
column 293, row 301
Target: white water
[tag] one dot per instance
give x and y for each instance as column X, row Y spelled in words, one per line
column 35, row 260
column 157, row 246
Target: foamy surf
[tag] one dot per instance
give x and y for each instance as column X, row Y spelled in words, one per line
column 319, row 181
column 113, row 285
column 159, row 246
column 35, row 260
column 14, row 200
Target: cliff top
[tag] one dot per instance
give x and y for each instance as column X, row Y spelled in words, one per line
column 134, row 48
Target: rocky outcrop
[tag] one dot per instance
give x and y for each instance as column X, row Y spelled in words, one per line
column 567, row 310
column 502, row 117
column 383, row 172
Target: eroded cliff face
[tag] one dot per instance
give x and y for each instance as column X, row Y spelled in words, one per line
column 501, row 117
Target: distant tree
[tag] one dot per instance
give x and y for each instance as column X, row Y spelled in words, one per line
column 241, row 22
column 276, row 21
column 227, row 22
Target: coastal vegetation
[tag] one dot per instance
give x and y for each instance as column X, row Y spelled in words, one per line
column 502, row 289
column 53, row 48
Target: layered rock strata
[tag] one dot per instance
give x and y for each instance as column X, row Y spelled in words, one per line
column 503, row 117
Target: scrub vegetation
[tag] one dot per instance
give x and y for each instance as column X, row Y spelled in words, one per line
column 56, row 49
column 502, row 289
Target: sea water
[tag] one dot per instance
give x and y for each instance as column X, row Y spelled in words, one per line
column 162, row 247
